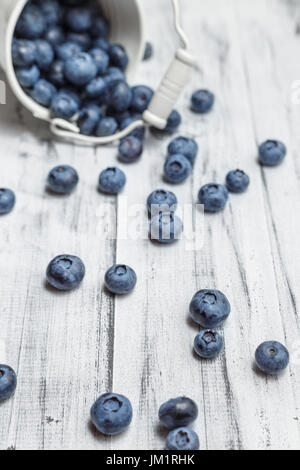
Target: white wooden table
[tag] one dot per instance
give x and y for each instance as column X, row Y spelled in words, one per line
column 67, row 349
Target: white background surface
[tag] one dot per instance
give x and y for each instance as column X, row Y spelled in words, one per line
column 67, row 349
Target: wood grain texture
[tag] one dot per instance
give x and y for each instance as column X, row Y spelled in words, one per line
column 69, row 348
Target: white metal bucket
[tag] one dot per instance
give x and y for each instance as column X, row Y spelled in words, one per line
column 127, row 27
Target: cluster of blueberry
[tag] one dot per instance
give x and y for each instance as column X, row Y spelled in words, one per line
column 112, row 413
column 64, row 61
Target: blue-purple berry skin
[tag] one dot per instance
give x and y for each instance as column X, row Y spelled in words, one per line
column 8, row 382
column 111, row 414
column 183, row 439
column 130, row 149
column 112, row 180
column 7, row 200
column 208, row 344
column 209, row 308
column 272, row 153
column 237, row 181
column 272, row 357
column 202, row 101
column 63, row 179
column 177, row 168
column 120, row 279
column 178, row 412
column 213, row 197
column 65, row 272
column 185, row 146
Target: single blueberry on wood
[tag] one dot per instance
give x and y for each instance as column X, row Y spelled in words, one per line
column 120, row 279
column 178, row 412
column 8, row 382
column 209, row 308
column 213, row 196
column 182, row 439
column 272, row 153
column 272, row 357
column 111, row 414
column 202, row 101
column 112, row 180
column 237, row 181
column 7, row 200
column 65, row 272
column 208, row 344
column 63, row 179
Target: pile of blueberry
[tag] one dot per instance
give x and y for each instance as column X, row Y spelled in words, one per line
column 65, row 62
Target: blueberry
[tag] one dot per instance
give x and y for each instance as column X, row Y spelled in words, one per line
column 139, row 132
column 177, row 168
column 100, row 27
column 272, row 153
column 202, row 101
column 161, row 200
column 28, row 76
column 80, row 69
column 209, row 308
column 182, row 439
column 101, row 43
column 111, row 414
column 89, row 118
column 173, row 122
column 272, row 357
column 63, row 179
column 106, row 127
column 114, row 75
column 43, row 92
column 112, row 180
column 32, row 22
column 8, row 382
column 65, row 272
column 141, row 97
column 83, row 39
column 166, row 228
column 96, row 88
column 184, row 146
column 237, row 181
column 56, row 73
column 178, row 412
column 55, row 35
column 208, row 344
column 148, row 51
column 23, row 52
column 7, row 200
column 64, row 105
column 67, row 50
column 79, row 19
column 130, row 149
column 101, row 59
column 72, row 92
column 44, row 54
column 120, row 279
column 118, row 56
column 213, row 196
column 52, row 11
column 120, row 97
